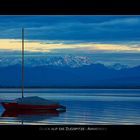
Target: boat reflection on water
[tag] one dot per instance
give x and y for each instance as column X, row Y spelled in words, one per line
column 32, row 116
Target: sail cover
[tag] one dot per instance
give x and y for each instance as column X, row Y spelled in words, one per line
column 35, row 100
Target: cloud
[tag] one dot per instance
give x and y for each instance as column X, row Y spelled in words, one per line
column 38, row 46
column 125, row 21
column 114, row 48
column 86, row 28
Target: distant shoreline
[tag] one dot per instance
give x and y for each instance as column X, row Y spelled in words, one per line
column 71, row 88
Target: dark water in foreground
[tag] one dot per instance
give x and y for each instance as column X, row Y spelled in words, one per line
column 86, row 106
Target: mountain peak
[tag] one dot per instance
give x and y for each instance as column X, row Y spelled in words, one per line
column 118, row 66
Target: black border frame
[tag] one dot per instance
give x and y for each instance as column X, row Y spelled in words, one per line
column 41, row 7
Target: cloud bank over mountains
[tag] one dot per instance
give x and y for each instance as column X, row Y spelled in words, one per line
column 109, row 39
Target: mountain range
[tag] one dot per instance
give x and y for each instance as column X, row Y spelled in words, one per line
column 41, row 60
column 91, row 76
column 73, row 61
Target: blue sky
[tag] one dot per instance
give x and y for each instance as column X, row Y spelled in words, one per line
column 100, row 36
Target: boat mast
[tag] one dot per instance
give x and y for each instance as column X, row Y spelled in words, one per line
column 22, row 62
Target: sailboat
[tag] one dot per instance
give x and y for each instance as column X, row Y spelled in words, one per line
column 31, row 102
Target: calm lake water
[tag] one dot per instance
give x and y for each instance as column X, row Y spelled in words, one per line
column 84, row 106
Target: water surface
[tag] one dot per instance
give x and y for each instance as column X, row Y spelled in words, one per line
column 84, row 106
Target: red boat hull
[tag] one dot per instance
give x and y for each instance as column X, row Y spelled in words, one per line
column 11, row 106
column 17, row 113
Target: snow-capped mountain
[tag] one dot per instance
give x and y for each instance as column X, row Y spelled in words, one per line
column 72, row 61
column 118, row 66
column 66, row 60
